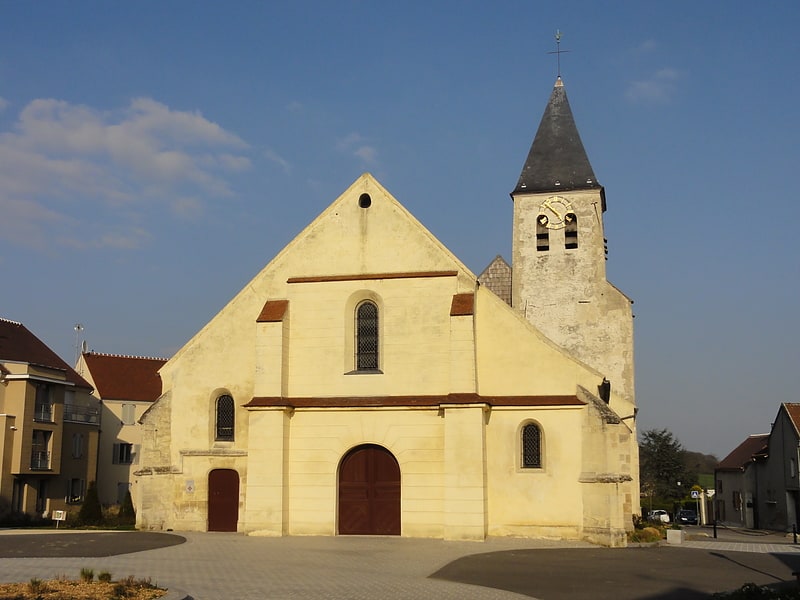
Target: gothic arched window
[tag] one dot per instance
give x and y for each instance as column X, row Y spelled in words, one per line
column 366, row 336
column 225, row 418
column 531, row 446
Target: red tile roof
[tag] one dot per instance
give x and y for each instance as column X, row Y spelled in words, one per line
column 793, row 410
column 753, row 446
column 125, row 377
column 462, row 305
column 273, row 311
column 18, row 344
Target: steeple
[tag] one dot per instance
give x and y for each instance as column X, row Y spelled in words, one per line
column 557, row 160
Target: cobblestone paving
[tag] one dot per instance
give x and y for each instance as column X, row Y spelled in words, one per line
column 220, row 565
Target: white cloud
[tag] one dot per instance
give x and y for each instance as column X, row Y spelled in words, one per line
column 659, row 87
column 273, row 156
column 355, row 144
column 66, row 162
column 647, row 46
column 367, row 153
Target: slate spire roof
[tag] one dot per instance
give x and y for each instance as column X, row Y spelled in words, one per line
column 557, row 160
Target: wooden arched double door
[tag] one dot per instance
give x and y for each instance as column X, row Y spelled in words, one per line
column 369, row 492
column 223, row 500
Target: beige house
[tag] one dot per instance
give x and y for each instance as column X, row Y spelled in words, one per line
column 126, row 386
column 365, row 382
column 49, row 427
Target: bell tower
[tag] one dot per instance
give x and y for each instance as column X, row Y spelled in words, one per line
column 559, row 254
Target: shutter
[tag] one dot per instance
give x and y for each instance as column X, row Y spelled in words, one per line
column 135, row 454
column 115, row 455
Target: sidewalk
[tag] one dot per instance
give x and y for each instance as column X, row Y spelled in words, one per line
column 234, row 566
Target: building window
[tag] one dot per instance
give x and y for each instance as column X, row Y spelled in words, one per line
column 367, row 337
column 570, row 231
column 44, row 403
column 77, row 445
column 792, row 468
column 542, row 234
column 225, row 418
column 531, row 446
column 737, row 500
column 75, row 490
column 40, row 450
column 124, row 454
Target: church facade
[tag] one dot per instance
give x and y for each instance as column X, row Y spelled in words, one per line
column 365, row 382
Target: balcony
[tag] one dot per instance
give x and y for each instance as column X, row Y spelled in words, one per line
column 81, row 414
column 43, row 412
column 40, row 461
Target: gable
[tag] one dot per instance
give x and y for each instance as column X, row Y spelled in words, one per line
column 364, row 234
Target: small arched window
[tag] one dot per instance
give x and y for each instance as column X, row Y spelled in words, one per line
column 366, row 336
column 531, row 446
column 225, row 418
column 542, row 234
column 570, row 231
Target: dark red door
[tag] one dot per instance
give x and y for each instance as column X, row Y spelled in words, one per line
column 369, row 492
column 223, row 500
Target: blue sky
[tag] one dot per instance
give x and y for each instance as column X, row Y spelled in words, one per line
column 154, row 156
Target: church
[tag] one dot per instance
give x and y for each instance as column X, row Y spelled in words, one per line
column 367, row 382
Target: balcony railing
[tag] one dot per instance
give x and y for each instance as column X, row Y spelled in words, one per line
column 40, row 461
column 43, row 412
column 81, row 414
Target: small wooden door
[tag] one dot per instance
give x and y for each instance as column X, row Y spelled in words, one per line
column 223, row 500
column 369, row 492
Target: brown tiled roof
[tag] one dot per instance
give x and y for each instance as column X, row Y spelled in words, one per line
column 497, row 278
column 125, row 377
column 754, row 446
column 793, row 410
column 462, row 305
column 414, row 401
column 273, row 311
column 18, row 344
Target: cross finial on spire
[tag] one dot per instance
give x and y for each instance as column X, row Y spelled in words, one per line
column 558, row 51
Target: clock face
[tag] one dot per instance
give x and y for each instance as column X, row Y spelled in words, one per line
column 555, row 212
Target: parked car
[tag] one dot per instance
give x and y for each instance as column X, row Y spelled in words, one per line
column 687, row 517
column 661, row 516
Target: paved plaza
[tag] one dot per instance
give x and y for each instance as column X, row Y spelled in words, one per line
column 210, row 566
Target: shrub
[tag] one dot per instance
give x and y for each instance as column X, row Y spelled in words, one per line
column 37, row 586
column 104, row 576
column 751, row 591
column 87, row 574
column 91, row 512
column 646, row 535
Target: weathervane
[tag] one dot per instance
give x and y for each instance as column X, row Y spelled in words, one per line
column 558, row 51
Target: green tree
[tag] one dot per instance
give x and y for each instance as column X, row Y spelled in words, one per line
column 662, row 465
column 91, row 512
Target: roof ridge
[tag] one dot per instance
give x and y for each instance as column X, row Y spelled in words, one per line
column 125, row 356
column 10, row 321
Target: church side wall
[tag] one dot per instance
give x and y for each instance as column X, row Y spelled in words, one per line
column 544, row 502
